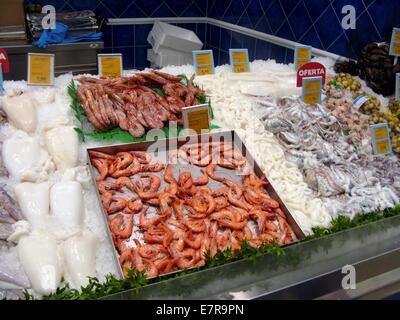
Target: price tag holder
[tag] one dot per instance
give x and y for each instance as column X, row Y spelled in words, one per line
column 397, row 86
column 359, row 101
column 381, row 142
column 196, row 118
column 302, row 55
column 395, row 42
column 110, row 64
column 203, row 61
column 239, row 60
column 1, row 80
column 40, row 69
column 312, row 90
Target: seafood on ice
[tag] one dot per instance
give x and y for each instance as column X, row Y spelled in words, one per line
column 233, row 110
column 66, row 202
column 339, row 170
column 172, row 227
column 34, row 201
column 12, row 275
column 131, row 104
column 62, row 143
column 21, row 111
column 80, row 258
column 38, row 253
column 25, row 158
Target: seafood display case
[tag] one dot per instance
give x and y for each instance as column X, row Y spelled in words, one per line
column 160, row 151
column 308, row 270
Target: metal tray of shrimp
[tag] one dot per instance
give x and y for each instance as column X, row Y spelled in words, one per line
column 169, row 201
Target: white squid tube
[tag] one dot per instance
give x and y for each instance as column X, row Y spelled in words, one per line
column 63, row 145
column 80, row 258
column 66, row 201
column 38, row 254
column 21, row 112
column 33, row 199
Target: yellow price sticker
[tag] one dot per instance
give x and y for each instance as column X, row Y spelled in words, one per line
column 311, row 98
column 397, row 36
column 313, row 85
column 198, row 120
column 239, row 57
column 303, row 53
column 110, row 65
column 382, row 147
column 241, row 67
column 396, row 49
column 203, row 58
column 40, row 69
column 380, row 133
column 301, row 63
column 203, row 70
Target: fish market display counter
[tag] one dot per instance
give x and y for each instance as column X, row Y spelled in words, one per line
column 308, row 270
column 77, row 58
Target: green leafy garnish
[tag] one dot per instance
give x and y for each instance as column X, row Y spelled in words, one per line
column 96, row 289
column 116, row 134
column 341, row 223
column 184, row 79
column 158, row 89
column 79, row 112
column 335, row 84
column 346, row 132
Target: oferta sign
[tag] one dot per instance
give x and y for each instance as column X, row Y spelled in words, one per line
column 311, row 70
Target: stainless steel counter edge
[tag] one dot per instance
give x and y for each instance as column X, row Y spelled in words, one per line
column 315, row 264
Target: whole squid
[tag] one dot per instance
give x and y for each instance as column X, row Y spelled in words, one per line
column 9, row 209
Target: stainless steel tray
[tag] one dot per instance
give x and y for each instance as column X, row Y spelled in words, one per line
column 159, row 150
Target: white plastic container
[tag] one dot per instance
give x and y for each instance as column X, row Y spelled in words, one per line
column 170, row 36
column 166, row 56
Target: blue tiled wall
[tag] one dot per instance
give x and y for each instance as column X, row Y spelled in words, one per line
column 313, row 22
column 132, row 8
column 221, row 39
column 130, row 40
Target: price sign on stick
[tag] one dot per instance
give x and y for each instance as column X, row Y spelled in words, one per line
column 239, row 59
column 203, row 61
column 312, row 90
column 196, row 118
column 398, row 86
column 381, row 142
column 110, row 65
column 302, row 55
column 40, row 69
column 395, row 42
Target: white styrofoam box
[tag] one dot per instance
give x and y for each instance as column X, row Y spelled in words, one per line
column 167, row 56
column 167, row 35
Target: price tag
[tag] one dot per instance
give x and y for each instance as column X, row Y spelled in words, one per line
column 397, row 86
column 302, row 55
column 395, row 42
column 40, row 69
column 1, row 81
column 312, row 90
column 196, row 118
column 203, row 61
column 239, row 60
column 359, row 101
column 110, row 65
column 381, row 142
